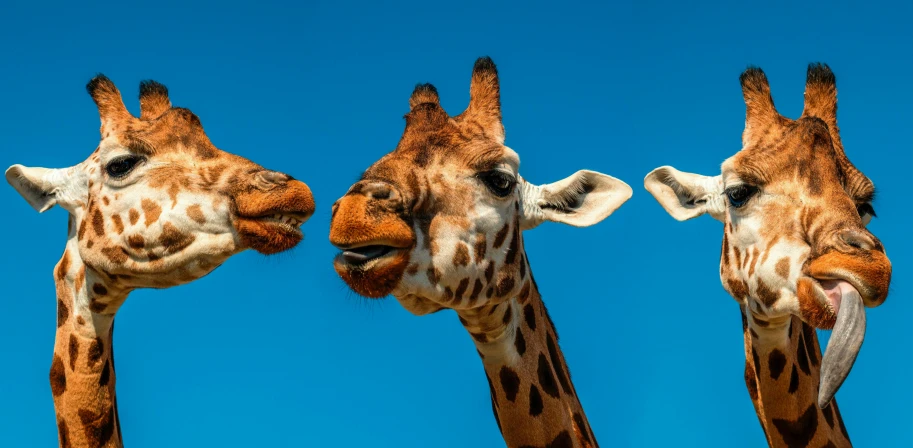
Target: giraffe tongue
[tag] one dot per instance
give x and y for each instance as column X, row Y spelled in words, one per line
column 845, row 341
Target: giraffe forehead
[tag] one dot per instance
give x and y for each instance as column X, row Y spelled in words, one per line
column 449, row 146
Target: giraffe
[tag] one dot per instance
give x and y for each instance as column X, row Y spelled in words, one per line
column 796, row 255
column 155, row 205
column 437, row 223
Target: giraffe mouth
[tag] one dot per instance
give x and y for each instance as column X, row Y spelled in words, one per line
column 361, row 255
column 272, row 233
column 372, row 270
column 291, row 219
column 366, row 256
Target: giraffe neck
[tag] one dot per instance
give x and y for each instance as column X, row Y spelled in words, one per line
column 82, row 370
column 532, row 396
column 782, row 373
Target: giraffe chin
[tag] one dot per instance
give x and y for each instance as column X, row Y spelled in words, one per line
column 268, row 236
column 376, row 277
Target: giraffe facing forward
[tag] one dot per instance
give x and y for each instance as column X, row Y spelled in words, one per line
column 156, row 205
column 796, row 255
column 438, row 222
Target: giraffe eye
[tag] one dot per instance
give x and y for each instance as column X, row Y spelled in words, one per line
column 121, row 166
column 499, row 183
column 866, row 212
column 740, row 194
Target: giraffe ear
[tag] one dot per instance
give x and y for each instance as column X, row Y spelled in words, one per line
column 37, row 185
column 581, row 200
column 686, row 195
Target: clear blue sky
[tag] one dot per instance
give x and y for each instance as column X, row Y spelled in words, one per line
column 277, row 352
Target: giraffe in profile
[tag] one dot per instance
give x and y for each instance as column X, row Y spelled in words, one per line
column 796, row 255
column 438, row 224
column 154, row 206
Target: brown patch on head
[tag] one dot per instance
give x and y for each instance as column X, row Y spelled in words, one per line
column 765, row 294
column 116, row 254
column 134, row 216
column 118, row 224
column 151, row 210
column 196, row 213
column 501, row 236
column 737, row 288
column 461, row 256
column 782, row 267
column 136, row 242
column 480, row 247
column 98, row 222
column 173, row 240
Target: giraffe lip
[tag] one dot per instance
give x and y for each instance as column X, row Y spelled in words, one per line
column 294, row 219
column 357, row 256
column 830, row 292
column 269, row 234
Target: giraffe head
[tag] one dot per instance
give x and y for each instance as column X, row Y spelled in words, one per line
column 437, row 221
column 795, row 212
column 157, row 204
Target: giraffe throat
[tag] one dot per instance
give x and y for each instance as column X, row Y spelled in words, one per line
column 533, row 399
column 82, row 372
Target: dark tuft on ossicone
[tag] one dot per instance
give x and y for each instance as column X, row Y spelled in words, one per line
column 754, row 79
column 150, row 87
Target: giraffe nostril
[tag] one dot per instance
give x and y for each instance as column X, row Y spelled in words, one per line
column 273, row 177
column 379, row 191
column 857, row 239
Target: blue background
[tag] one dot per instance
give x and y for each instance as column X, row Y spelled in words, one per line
column 277, row 352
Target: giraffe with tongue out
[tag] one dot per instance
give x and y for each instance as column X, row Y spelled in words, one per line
column 796, row 255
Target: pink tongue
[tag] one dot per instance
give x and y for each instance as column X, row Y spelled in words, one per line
column 835, row 289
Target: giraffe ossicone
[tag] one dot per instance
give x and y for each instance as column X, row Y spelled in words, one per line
column 438, row 224
column 155, row 205
column 796, row 254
